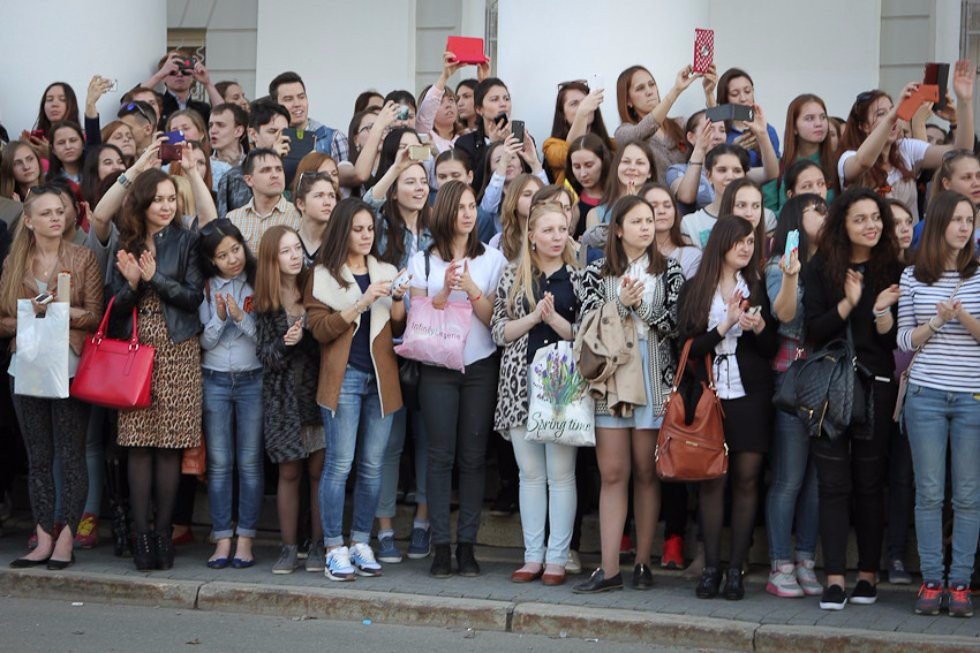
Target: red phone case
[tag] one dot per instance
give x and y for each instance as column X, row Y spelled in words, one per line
column 466, row 48
column 704, row 49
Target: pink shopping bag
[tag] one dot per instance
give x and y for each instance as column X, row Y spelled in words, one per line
column 436, row 336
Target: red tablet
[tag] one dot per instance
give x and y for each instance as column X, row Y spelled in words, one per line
column 467, row 49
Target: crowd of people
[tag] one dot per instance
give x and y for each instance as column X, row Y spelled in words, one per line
column 273, row 263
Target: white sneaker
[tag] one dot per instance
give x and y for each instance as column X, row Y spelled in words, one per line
column 574, row 564
column 362, row 555
column 338, row 565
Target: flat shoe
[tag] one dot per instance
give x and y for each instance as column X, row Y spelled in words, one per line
column 553, row 579
column 218, row 563
column 59, row 565
column 25, row 563
column 522, row 576
column 238, row 563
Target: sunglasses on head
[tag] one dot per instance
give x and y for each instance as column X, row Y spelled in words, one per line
column 573, row 82
column 866, row 96
column 132, row 107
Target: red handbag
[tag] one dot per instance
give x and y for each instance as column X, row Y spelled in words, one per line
column 695, row 451
column 114, row 373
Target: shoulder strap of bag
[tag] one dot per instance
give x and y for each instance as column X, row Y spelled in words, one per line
column 425, row 253
column 918, row 349
column 104, row 324
column 682, row 366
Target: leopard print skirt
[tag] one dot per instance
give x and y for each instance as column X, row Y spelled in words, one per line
column 173, row 420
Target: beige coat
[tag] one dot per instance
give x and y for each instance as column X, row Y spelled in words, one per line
column 608, row 358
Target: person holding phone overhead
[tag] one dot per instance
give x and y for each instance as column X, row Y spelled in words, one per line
column 736, row 87
column 577, row 113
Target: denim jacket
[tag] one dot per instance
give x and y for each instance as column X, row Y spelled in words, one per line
column 774, row 281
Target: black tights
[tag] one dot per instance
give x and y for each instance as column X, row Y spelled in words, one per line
column 743, row 468
column 153, row 471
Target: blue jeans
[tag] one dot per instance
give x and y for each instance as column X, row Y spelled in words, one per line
column 935, row 420
column 233, row 434
column 356, row 427
column 792, row 491
column 393, row 455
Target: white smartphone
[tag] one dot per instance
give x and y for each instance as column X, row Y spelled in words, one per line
column 754, row 310
column 598, row 82
column 401, row 280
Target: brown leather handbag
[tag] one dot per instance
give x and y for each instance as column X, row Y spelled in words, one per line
column 694, row 451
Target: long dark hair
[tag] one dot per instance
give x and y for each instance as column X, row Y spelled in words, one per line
column 616, row 261
column 43, row 123
column 336, row 239
column 675, row 229
column 876, row 177
column 613, row 190
column 700, row 290
column 594, row 144
column 790, row 219
column 930, row 259
column 56, row 165
column 560, row 126
column 443, row 222
column 132, row 222
column 394, row 222
column 211, row 236
column 727, row 207
column 480, row 94
column 790, row 139
column 389, row 150
column 90, row 172
column 628, row 115
column 835, row 246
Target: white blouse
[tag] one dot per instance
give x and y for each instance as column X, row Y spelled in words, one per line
column 728, row 380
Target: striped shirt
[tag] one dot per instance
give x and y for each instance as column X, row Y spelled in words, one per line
column 950, row 359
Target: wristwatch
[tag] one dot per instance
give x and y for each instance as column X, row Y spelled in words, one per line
column 124, row 181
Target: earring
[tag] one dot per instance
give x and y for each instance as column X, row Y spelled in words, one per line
column 534, row 247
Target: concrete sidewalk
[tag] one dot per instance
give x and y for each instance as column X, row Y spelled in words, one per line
column 667, row 615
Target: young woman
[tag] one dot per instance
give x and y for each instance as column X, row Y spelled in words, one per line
column 806, row 139
column 20, row 170
column 537, row 303
column 851, row 288
column 577, row 113
column 872, row 155
column 668, row 228
column 937, row 316
column 354, row 310
column 960, row 172
column 452, row 165
column 232, row 92
column 190, row 123
column 100, row 162
column 689, row 180
column 58, row 103
column 491, row 102
column 67, row 152
column 903, row 228
column 514, row 215
column 158, row 272
column 293, row 430
column 744, row 198
column 315, row 162
column 315, row 197
column 644, row 114
column 504, row 162
column 457, row 407
column 736, row 87
column 741, row 341
column 120, row 134
column 632, row 166
column 38, row 255
column 438, row 114
column 586, row 169
column 232, row 391
column 724, row 164
column 793, row 486
column 465, row 105
column 643, row 286
column 805, row 176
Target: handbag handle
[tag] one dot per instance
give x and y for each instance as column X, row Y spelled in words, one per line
column 682, row 365
column 104, row 323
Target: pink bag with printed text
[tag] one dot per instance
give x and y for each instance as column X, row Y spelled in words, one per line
column 436, row 336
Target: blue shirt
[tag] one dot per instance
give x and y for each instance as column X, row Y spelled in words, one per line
column 755, row 160
column 228, row 346
column 360, row 347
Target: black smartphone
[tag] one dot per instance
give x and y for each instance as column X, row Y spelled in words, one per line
column 517, row 129
column 501, row 120
column 725, row 112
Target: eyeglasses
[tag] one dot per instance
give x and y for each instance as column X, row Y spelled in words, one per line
column 132, row 107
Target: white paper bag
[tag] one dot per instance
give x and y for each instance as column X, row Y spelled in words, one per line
column 560, row 409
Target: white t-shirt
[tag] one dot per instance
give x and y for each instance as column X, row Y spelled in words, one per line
column 486, row 270
column 697, row 227
column 689, row 258
column 912, row 151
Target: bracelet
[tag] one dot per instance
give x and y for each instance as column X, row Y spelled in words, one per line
column 361, row 310
column 695, row 163
column 880, row 314
column 476, row 299
column 397, row 298
column 933, row 327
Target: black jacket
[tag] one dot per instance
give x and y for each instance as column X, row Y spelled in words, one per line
column 475, row 146
column 178, row 281
column 170, row 106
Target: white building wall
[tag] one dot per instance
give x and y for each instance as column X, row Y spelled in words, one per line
column 139, row 36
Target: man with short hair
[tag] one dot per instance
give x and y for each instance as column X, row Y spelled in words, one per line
column 268, row 207
column 139, row 116
column 148, row 95
column 226, row 128
column 266, row 121
column 178, row 71
column 289, row 90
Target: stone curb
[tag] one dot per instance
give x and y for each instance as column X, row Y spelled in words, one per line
column 813, row 639
column 100, row 588
column 355, row 605
column 631, row 626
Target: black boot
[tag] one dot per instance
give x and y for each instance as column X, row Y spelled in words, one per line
column 442, row 561
column 710, row 581
column 165, row 551
column 734, row 589
column 466, row 560
column 145, row 552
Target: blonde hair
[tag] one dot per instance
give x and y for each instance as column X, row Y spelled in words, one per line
column 185, row 195
column 528, row 265
column 21, row 251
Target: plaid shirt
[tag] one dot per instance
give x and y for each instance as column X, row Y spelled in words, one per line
column 252, row 225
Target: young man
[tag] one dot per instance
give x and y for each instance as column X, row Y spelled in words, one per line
column 140, row 117
column 178, row 78
column 226, row 127
column 289, row 90
column 264, row 175
column 265, row 124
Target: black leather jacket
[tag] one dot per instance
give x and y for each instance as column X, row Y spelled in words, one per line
column 178, row 281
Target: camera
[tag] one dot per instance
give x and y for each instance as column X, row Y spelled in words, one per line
column 186, row 65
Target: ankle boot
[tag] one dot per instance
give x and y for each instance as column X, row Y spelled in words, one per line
column 165, row 551
column 145, row 552
column 734, row 588
column 442, row 561
column 466, row 560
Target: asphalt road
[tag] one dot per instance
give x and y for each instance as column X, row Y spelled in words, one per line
column 28, row 626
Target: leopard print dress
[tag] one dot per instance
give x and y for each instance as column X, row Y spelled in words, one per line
column 173, row 420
